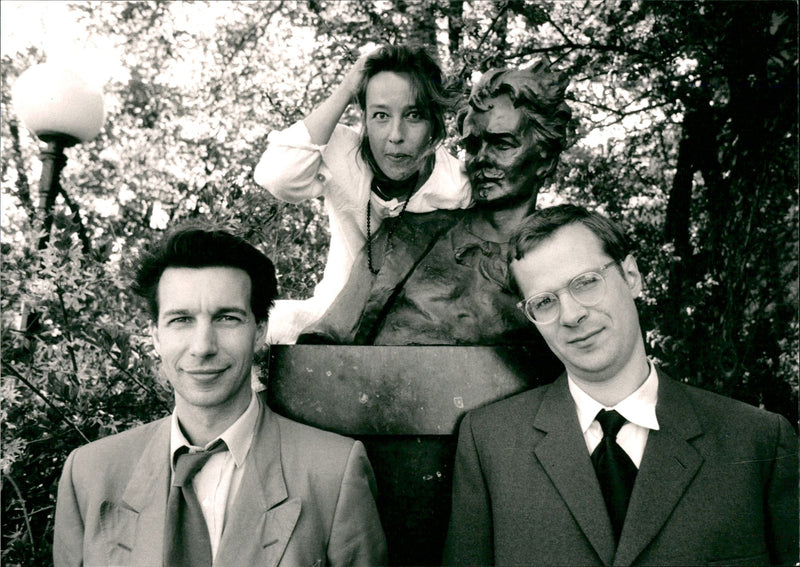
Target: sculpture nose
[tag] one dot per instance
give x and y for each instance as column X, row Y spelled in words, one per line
column 479, row 158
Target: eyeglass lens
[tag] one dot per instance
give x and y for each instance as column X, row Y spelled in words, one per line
column 587, row 289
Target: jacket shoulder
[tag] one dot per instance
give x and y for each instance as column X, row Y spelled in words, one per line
column 120, row 446
column 509, row 412
column 718, row 412
column 104, row 466
column 311, row 444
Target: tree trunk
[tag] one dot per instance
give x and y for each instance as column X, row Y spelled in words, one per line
column 455, row 25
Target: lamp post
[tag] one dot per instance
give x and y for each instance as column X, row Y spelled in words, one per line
column 61, row 109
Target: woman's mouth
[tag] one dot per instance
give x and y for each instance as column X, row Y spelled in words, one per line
column 398, row 158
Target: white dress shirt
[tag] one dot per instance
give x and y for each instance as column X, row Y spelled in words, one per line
column 639, row 409
column 217, row 482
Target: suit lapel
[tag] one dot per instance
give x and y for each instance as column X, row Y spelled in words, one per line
column 668, row 466
column 138, row 525
column 259, row 530
column 563, row 455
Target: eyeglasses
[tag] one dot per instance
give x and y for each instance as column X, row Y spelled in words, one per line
column 587, row 289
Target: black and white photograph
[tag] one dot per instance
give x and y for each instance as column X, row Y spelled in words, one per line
column 401, row 283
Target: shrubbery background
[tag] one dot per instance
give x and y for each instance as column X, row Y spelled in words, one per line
column 686, row 130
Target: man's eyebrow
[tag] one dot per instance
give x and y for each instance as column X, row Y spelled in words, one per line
column 172, row 312
column 219, row 311
column 237, row 310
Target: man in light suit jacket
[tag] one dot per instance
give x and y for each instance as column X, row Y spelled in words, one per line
column 280, row 493
column 715, row 480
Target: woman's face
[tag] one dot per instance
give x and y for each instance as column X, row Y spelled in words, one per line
column 397, row 132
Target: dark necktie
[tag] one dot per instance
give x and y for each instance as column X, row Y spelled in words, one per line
column 615, row 470
column 186, row 539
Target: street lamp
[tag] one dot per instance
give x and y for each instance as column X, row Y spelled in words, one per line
column 61, row 109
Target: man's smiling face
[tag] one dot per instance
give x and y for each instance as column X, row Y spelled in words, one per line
column 595, row 343
column 206, row 334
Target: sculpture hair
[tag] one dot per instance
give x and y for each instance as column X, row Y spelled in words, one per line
column 539, row 93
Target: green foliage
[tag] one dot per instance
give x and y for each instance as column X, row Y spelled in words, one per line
column 685, row 129
column 78, row 369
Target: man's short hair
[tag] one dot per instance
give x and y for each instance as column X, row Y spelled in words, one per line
column 541, row 224
column 200, row 246
column 538, row 92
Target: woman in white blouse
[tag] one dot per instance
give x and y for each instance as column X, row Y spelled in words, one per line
column 396, row 164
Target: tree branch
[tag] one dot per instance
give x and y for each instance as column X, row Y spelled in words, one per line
column 10, row 368
column 124, row 371
column 24, row 509
column 67, row 333
column 463, row 71
column 585, row 46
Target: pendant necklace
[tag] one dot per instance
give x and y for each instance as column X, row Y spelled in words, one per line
column 372, row 270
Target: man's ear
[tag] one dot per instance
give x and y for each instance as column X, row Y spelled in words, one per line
column 154, row 335
column 632, row 275
column 261, row 335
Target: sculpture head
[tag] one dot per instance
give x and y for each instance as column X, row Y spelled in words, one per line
column 514, row 129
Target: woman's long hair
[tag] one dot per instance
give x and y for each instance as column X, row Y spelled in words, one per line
column 432, row 96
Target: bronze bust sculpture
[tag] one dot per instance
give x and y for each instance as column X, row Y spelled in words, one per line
column 442, row 277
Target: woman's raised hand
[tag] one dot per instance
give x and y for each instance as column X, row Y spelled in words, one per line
column 352, row 79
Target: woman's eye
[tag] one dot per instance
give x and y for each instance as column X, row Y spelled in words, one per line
column 414, row 115
column 379, row 115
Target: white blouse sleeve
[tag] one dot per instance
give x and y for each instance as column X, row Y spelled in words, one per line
column 294, row 169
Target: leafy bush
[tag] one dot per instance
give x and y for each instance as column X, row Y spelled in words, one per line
column 79, row 371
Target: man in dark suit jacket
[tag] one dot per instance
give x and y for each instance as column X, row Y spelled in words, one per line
column 279, row 493
column 714, row 481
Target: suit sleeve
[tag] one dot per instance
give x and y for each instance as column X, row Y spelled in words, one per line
column 469, row 535
column 356, row 535
column 782, row 498
column 68, row 533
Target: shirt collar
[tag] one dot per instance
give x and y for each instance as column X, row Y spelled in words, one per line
column 237, row 437
column 639, row 408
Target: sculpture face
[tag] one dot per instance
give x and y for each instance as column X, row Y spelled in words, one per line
column 501, row 153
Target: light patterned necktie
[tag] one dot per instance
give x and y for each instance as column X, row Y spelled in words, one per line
column 186, row 539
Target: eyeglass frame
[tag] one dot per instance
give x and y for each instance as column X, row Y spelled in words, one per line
column 599, row 271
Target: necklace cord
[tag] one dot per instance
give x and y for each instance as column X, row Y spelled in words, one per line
column 372, row 269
